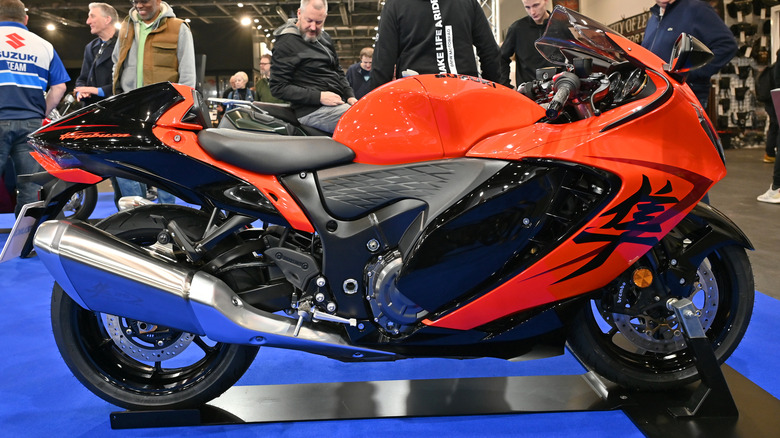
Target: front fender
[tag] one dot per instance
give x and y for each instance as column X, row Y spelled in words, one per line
column 724, row 230
column 704, row 230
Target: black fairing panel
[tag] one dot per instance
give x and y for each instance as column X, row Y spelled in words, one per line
column 500, row 229
column 387, row 215
column 542, row 335
column 132, row 114
column 351, row 192
column 106, row 138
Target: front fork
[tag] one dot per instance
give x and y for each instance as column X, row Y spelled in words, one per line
column 671, row 269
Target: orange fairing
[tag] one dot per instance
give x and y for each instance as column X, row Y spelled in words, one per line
column 178, row 135
column 662, row 175
column 598, row 141
column 430, row 117
column 70, row 175
column 604, row 248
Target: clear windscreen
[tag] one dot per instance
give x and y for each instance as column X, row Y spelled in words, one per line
column 571, row 35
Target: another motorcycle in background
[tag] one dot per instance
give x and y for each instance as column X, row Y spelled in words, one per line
column 270, row 118
column 58, row 199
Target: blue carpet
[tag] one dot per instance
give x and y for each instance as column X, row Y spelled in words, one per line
column 39, row 396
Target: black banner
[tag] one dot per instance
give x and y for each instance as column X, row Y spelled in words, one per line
column 632, row 28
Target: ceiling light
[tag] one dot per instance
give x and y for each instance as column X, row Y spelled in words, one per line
column 246, row 21
column 50, row 27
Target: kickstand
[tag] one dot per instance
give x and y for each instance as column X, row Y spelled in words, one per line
column 712, row 398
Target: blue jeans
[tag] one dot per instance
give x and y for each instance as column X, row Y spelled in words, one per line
column 13, row 144
column 128, row 187
column 325, row 118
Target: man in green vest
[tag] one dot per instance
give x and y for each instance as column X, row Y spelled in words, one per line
column 153, row 46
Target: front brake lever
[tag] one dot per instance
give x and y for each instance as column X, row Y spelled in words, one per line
column 599, row 93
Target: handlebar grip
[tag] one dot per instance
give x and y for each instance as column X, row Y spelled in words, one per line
column 529, row 89
column 566, row 85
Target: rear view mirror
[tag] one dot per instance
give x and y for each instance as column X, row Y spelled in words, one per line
column 688, row 54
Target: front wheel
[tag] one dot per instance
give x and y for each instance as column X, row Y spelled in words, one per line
column 139, row 365
column 647, row 351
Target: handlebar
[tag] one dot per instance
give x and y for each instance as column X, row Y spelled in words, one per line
column 565, row 85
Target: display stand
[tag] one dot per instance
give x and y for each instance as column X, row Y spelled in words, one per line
column 712, row 397
column 704, row 409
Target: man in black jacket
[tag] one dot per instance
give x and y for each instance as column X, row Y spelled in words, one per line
column 306, row 71
column 433, row 36
column 520, row 40
column 95, row 81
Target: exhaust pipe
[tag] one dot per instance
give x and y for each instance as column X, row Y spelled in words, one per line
column 105, row 274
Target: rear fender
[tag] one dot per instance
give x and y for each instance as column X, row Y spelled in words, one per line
column 55, row 193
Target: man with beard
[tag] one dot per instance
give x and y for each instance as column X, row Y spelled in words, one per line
column 95, row 81
column 306, row 71
column 153, row 46
column 262, row 89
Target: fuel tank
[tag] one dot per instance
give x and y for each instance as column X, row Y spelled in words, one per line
column 431, row 117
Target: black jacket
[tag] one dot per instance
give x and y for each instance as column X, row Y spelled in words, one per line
column 356, row 77
column 97, row 68
column 240, row 94
column 413, row 35
column 519, row 41
column 300, row 70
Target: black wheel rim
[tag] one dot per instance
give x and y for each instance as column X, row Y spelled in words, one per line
column 618, row 348
column 152, row 378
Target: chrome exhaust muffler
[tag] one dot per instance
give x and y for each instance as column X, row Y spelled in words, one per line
column 105, row 274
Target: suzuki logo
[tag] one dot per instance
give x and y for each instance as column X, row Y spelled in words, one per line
column 15, row 40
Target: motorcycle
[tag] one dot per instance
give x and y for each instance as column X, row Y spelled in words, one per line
column 430, row 225
column 79, row 206
column 271, row 118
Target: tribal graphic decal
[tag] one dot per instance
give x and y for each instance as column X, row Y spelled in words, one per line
column 641, row 227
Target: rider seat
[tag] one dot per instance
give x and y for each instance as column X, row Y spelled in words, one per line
column 273, row 154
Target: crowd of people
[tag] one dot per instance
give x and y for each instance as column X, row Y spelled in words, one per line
column 304, row 70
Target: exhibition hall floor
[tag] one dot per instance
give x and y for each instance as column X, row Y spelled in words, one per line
column 40, row 397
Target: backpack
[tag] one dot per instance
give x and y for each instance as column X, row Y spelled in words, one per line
column 764, row 85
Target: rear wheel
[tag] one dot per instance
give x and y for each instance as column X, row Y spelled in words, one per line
column 647, row 351
column 135, row 364
column 81, row 204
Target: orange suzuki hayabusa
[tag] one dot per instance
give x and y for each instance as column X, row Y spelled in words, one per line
column 447, row 216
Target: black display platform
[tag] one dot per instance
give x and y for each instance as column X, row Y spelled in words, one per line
column 723, row 404
column 759, row 411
